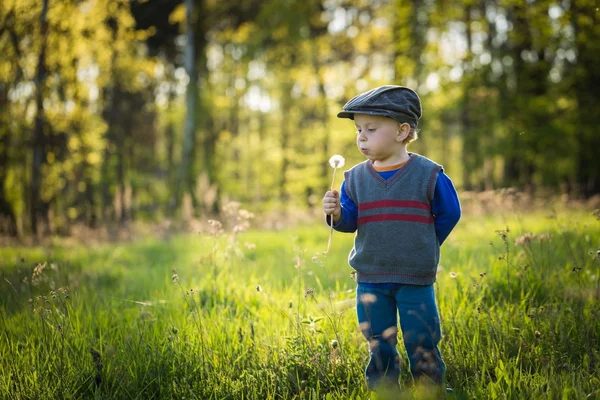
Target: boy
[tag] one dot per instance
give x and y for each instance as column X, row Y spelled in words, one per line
column 402, row 207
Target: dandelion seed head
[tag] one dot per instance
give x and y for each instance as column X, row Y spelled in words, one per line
column 337, row 161
column 334, row 344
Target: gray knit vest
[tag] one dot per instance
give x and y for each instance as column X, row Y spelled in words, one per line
column 395, row 241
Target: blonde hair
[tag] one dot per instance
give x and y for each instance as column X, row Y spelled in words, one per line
column 413, row 135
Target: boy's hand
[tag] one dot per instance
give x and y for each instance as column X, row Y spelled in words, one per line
column 331, row 205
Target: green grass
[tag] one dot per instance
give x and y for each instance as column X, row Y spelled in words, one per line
column 197, row 316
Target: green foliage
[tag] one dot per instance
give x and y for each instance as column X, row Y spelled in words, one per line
column 266, row 315
column 506, row 88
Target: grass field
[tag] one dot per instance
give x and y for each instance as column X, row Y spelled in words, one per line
column 265, row 315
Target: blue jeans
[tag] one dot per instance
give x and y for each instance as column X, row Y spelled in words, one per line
column 377, row 310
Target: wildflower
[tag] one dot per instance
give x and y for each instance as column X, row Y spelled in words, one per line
column 503, row 234
column 175, row 276
column 334, row 344
column 39, row 269
column 538, row 334
column 258, row 288
column 291, row 304
column 241, row 226
column 245, row 214
column 37, row 273
column 482, row 274
column 545, row 236
column 309, row 292
column 215, row 227
column 231, row 208
column 454, row 275
column 525, row 239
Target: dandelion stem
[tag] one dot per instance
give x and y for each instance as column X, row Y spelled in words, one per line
column 331, row 216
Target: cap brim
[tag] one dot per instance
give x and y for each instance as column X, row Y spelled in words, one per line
column 345, row 114
column 350, row 114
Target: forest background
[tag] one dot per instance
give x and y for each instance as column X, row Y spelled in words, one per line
column 115, row 110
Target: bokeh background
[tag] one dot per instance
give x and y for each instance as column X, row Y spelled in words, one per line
column 121, row 110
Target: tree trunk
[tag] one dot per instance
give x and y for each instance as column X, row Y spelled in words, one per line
column 285, row 139
column 469, row 143
column 409, row 35
column 170, row 144
column 514, row 162
column 121, row 156
column 8, row 221
column 39, row 148
column 185, row 178
column 587, row 77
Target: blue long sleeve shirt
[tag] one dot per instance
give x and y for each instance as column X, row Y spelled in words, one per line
column 445, row 207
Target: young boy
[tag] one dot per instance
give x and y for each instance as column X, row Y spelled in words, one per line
column 402, row 207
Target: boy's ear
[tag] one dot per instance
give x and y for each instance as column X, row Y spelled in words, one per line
column 403, row 131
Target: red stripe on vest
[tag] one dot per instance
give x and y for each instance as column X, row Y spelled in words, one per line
column 392, row 274
column 395, row 217
column 393, row 203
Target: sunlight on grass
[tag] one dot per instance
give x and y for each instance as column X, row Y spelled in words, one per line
column 264, row 314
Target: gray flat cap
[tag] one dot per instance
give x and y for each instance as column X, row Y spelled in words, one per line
column 397, row 102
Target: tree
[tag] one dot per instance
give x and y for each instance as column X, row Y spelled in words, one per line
column 39, row 141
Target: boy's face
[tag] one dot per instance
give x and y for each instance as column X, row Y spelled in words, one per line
column 378, row 138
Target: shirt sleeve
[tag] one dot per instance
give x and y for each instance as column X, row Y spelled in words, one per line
column 349, row 218
column 445, row 207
